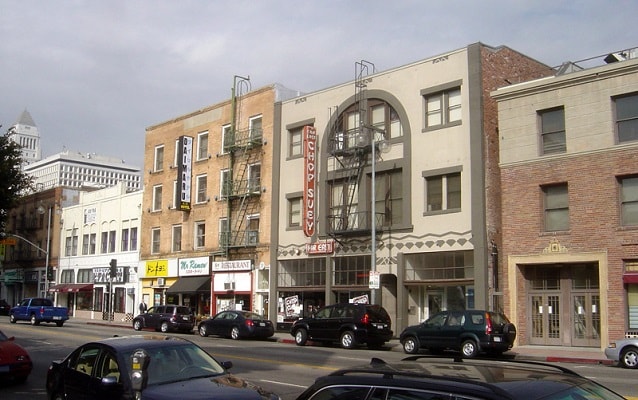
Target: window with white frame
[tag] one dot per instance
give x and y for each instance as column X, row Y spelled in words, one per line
column 85, row 244
column 442, row 106
column 177, row 238
column 92, row 243
column 442, row 191
column 158, row 163
column 255, row 126
column 254, row 178
column 202, row 145
column 125, row 239
column 157, row 198
column 224, row 232
column 252, row 231
column 176, row 199
column 155, row 241
column 629, row 200
column 112, row 239
column 225, row 184
column 201, row 188
column 104, row 244
column 552, row 127
column 295, row 139
column 227, row 138
column 294, row 212
column 200, row 234
column 556, row 205
column 626, row 117
column 133, row 241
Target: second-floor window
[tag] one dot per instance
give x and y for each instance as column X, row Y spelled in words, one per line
column 629, row 201
column 157, row 198
column 155, row 241
column 552, row 127
column 133, row 241
column 202, row 189
column 556, row 205
column 443, row 192
column 177, row 238
column 627, row 117
column 125, row 239
column 200, row 234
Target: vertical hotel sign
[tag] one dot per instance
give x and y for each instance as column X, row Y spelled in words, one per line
column 184, row 171
column 310, row 179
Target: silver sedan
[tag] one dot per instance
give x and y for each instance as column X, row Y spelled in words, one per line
column 625, row 351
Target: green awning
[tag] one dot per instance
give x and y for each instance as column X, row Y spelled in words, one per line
column 191, row 284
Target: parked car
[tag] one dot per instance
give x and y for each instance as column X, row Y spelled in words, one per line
column 349, row 324
column 469, row 331
column 165, row 319
column 15, row 362
column 4, row 307
column 159, row 367
column 430, row 377
column 37, row 310
column 237, row 325
column 625, row 351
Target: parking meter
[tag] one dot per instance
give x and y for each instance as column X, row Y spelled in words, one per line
column 139, row 378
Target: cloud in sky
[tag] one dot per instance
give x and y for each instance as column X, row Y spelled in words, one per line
column 95, row 74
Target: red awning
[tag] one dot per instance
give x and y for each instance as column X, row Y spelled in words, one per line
column 71, row 287
column 630, row 278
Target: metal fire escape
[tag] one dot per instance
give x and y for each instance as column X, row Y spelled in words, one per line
column 348, row 149
column 242, row 184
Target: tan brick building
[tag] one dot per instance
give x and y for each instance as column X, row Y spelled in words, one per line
column 568, row 154
column 207, row 204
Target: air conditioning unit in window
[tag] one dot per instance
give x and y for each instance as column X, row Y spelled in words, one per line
column 229, row 285
column 161, row 281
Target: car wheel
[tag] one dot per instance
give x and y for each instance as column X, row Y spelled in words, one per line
column 629, row 358
column 34, row 321
column 469, row 349
column 203, row 332
column 137, row 325
column 347, row 340
column 510, row 332
column 411, row 345
column 164, row 327
column 57, row 396
column 12, row 319
column 59, row 323
column 234, row 333
column 301, row 336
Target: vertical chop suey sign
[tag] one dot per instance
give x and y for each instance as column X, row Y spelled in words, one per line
column 310, row 179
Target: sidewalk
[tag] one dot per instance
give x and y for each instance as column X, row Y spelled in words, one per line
column 581, row 355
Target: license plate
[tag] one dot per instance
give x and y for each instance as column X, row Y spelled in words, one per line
column 57, row 317
column 380, row 326
column 498, row 339
column 262, row 324
column 185, row 318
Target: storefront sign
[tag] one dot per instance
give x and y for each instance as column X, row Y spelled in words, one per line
column 90, row 215
column 184, row 171
column 310, row 177
column 193, row 266
column 238, row 265
column 291, row 305
column 103, row 275
column 324, row 247
column 157, row 268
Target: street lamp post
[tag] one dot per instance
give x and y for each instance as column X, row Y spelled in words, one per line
column 46, row 270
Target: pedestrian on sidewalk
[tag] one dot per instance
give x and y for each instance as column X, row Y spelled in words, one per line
column 143, row 307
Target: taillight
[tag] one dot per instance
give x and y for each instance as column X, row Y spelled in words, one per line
column 365, row 319
column 41, row 310
column 488, row 324
column 249, row 322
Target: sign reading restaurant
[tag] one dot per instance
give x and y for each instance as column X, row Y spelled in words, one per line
column 237, row 265
column 310, row 175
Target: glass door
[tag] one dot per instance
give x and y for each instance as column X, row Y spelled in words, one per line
column 546, row 319
column 586, row 320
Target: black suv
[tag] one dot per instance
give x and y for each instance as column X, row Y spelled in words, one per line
column 469, row 331
column 166, row 318
column 350, row 324
column 430, row 377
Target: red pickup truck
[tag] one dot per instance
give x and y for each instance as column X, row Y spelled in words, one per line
column 36, row 310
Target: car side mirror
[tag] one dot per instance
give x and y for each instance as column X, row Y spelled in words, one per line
column 227, row 364
column 109, row 380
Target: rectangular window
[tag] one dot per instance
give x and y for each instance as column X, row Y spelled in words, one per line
column 627, row 117
column 104, row 244
column 255, row 125
column 85, row 244
column 227, row 138
column 252, row 233
column 443, row 108
column 443, row 192
column 343, row 214
column 294, row 212
column 133, row 243
column 295, row 138
column 125, row 239
column 224, row 232
column 254, row 178
column 556, row 208
column 629, row 201
column 177, row 238
column 552, row 131
column 200, row 235
column 225, row 184
column 157, row 198
column 158, row 163
column 93, row 243
column 155, row 241
column 202, row 145
column 388, row 209
column 202, row 190
column 112, row 239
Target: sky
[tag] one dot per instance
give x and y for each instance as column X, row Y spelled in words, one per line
column 95, row 74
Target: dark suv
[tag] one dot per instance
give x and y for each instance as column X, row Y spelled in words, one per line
column 469, row 331
column 166, row 318
column 430, row 377
column 350, row 324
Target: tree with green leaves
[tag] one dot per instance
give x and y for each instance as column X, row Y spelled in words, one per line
column 14, row 183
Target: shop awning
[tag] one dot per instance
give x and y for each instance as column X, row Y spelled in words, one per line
column 71, row 287
column 190, row 284
column 630, row 278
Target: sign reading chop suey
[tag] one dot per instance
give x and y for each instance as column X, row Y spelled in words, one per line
column 310, row 148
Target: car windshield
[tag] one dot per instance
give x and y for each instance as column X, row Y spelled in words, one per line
column 179, row 363
column 588, row 391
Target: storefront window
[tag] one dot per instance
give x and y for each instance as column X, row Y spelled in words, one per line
column 84, row 301
column 97, row 299
column 443, row 265
column 352, row 271
column 310, row 272
column 120, row 300
column 632, row 300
